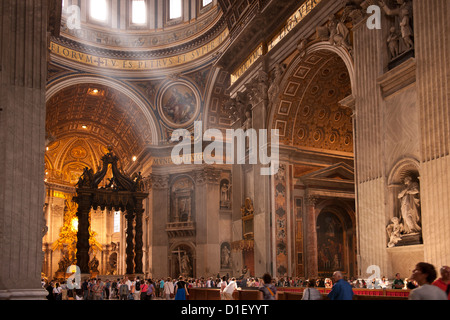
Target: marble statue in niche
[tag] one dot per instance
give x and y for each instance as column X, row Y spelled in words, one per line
column 403, row 11
column 185, row 265
column 405, row 228
column 393, row 43
column 225, row 256
column 225, row 194
column 410, row 206
column 400, row 41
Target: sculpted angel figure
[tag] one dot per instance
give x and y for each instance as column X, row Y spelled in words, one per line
column 394, row 231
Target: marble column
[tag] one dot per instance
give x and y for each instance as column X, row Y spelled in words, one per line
column 207, row 205
column 160, row 212
column 312, row 267
column 432, row 27
column 129, row 241
column 23, row 70
column 139, row 211
column 84, row 207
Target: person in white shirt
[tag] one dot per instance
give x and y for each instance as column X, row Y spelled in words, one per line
column 229, row 289
column 168, row 289
column 311, row 293
column 424, row 274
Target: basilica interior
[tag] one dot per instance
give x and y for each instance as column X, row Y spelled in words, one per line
column 350, row 98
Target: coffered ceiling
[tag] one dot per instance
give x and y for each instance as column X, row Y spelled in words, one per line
column 100, row 113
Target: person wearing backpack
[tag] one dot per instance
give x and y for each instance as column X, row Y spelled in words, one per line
column 268, row 289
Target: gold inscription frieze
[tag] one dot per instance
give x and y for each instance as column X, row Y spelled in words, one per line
column 138, row 64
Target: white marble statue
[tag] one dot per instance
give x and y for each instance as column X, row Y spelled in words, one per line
column 410, row 204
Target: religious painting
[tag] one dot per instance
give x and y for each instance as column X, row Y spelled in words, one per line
column 178, row 105
column 330, row 243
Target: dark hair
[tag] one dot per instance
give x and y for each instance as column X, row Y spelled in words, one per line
column 428, row 269
column 267, row 278
column 311, row 283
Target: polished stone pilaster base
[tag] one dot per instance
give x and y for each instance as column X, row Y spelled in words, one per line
column 23, row 294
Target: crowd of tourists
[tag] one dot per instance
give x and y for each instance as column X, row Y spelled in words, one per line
column 423, row 277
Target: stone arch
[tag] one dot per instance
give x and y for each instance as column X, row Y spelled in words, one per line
column 297, row 109
column 53, row 87
column 174, row 256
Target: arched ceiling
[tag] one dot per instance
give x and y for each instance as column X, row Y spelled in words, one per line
column 308, row 113
column 100, row 113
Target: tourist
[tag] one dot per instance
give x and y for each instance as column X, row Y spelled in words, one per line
column 181, row 290
column 268, row 289
column 107, row 289
column 57, row 292
column 150, row 290
column 398, row 282
column 424, row 274
column 161, row 288
column 168, row 289
column 49, row 289
column 132, row 290
column 223, row 285
column 341, row 289
column 85, row 288
column 311, row 293
column 124, row 291
column 143, row 290
column 64, row 291
column 137, row 289
column 97, row 290
column 230, row 289
column 444, row 281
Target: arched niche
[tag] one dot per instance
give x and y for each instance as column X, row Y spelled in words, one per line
column 182, row 259
column 398, row 200
column 307, row 110
column 225, row 194
column 336, row 238
column 182, row 196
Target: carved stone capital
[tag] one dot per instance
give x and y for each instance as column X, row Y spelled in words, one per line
column 207, row 175
column 312, row 201
column 159, row 181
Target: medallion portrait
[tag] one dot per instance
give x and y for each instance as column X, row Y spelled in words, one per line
column 178, row 105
